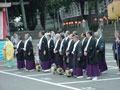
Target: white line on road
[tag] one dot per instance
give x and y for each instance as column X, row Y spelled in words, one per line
column 5, row 65
column 111, row 61
column 87, row 81
column 10, row 70
column 40, row 74
column 109, row 56
column 43, row 81
column 112, row 67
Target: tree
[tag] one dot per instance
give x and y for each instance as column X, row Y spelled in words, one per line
column 48, row 6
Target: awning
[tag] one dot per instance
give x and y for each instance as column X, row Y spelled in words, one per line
column 5, row 5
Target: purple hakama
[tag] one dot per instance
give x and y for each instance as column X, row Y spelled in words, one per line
column 64, row 64
column 30, row 64
column 103, row 66
column 92, row 69
column 52, row 61
column 85, row 64
column 45, row 65
column 77, row 71
column 20, row 64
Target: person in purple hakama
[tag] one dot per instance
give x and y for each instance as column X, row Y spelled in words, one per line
column 43, row 52
column 50, row 49
column 100, row 45
column 62, row 51
column 66, row 40
column 29, row 55
column 77, row 61
column 92, row 58
column 58, row 61
column 20, row 54
column 84, row 42
column 69, row 53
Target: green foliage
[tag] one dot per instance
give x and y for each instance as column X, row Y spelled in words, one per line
column 94, row 27
column 54, row 5
column 93, row 3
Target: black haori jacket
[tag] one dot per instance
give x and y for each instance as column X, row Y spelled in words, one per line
column 83, row 47
column 64, row 47
column 78, row 54
column 51, row 49
column 66, row 44
column 101, row 47
column 58, row 46
column 20, row 54
column 58, row 60
column 91, row 50
column 29, row 49
column 84, row 44
column 44, row 47
column 71, row 47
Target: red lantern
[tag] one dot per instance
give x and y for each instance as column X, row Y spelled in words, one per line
column 67, row 23
column 79, row 22
column 76, row 22
column 72, row 22
column 83, row 21
column 95, row 19
column 101, row 19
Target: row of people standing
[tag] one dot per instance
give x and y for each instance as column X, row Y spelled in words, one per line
column 70, row 53
column 22, row 51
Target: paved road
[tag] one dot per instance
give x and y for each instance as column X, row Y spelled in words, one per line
column 12, row 79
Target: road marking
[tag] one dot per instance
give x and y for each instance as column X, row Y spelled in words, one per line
column 6, row 65
column 87, row 81
column 40, row 74
column 46, row 79
column 111, row 61
column 88, row 88
column 112, row 67
column 43, row 81
column 109, row 56
column 10, row 70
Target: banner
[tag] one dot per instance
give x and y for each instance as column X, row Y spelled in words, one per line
column 2, row 43
column 3, row 25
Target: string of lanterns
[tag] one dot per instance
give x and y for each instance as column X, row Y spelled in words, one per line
column 113, row 14
column 83, row 21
